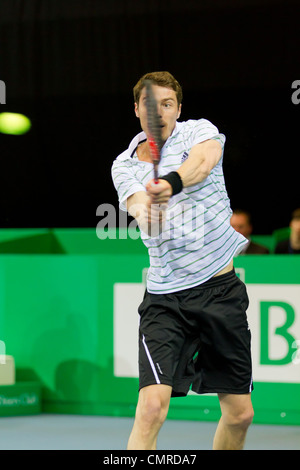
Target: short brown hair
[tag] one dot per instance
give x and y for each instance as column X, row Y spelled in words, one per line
column 296, row 214
column 164, row 79
column 239, row 211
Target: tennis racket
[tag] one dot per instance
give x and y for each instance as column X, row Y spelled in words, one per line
column 154, row 128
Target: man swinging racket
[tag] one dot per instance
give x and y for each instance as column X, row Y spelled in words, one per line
column 193, row 330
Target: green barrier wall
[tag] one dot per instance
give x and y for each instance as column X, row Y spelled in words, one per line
column 65, row 295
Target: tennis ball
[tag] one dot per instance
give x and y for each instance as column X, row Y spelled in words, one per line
column 14, row 123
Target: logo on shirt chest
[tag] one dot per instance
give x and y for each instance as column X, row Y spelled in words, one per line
column 184, row 156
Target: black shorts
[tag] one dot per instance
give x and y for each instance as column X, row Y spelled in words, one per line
column 197, row 338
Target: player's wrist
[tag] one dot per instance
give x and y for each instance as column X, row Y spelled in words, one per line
column 174, row 179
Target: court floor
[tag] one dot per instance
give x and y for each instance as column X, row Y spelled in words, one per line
column 73, row 432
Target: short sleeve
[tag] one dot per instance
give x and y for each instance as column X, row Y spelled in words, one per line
column 204, row 130
column 124, row 181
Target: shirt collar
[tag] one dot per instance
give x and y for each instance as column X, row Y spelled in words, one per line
column 141, row 137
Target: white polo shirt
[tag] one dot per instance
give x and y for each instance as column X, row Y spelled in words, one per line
column 198, row 240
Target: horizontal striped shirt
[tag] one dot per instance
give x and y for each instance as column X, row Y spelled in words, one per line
column 197, row 240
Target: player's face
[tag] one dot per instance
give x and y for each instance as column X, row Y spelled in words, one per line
column 167, row 109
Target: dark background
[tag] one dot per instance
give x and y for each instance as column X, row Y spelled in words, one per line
column 71, row 66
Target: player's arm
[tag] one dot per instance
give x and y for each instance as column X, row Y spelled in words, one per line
column 202, row 159
column 149, row 216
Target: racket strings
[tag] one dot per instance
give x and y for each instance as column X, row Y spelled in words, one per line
column 153, row 120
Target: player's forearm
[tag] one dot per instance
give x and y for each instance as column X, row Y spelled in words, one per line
column 202, row 159
column 149, row 216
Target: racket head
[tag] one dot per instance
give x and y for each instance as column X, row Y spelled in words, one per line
column 154, row 127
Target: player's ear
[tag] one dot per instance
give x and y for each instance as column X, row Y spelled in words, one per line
column 136, row 110
column 179, row 111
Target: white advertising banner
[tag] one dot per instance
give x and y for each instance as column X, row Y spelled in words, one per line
column 274, row 320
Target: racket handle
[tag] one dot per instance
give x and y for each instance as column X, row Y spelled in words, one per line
column 155, row 164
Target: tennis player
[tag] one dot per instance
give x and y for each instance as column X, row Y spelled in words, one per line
column 194, row 333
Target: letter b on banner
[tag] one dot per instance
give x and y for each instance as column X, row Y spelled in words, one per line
column 270, row 314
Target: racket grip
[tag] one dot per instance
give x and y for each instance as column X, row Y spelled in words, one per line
column 155, row 164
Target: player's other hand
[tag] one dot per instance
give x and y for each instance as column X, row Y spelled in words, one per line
column 160, row 192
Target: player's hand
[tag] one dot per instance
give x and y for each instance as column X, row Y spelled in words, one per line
column 160, row 192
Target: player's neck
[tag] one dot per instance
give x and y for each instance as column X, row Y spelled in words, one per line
column 143, row 152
